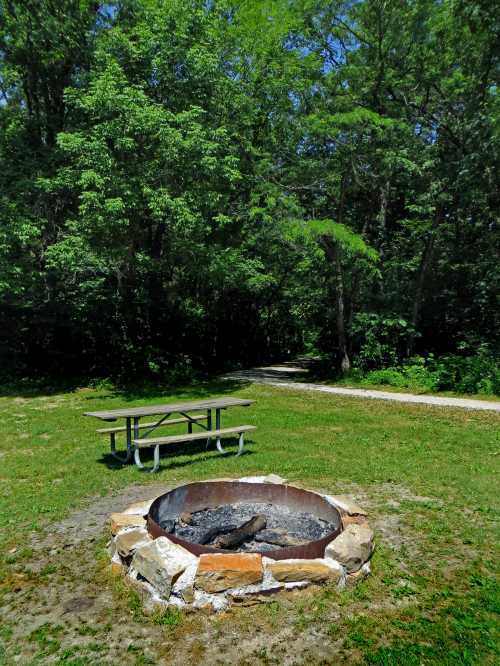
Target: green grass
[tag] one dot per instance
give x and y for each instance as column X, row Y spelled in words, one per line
column 431, row 473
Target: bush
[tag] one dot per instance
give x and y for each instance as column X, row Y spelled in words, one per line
column 413, row 375
column 464, row 374
column 469, row 374
column 381, row 341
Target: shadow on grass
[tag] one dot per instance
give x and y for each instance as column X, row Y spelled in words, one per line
column 127, row 392
column 200, row 455
column 33, row 388
column 193, row 391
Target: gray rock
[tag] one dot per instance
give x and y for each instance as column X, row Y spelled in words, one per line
column 120, row 521
column 345, row 504
column 354, row 578
column 139, row 508
column 161, row 562
column 205, row 600
column 352, row 548
column 183, row 586
column 270, row 478
column 127, row 542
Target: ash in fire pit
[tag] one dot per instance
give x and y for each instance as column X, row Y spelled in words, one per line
column 249, row 527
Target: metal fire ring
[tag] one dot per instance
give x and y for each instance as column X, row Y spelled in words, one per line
column 197, row 496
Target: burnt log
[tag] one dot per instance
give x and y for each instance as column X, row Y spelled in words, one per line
column 213, row 532
column 246, row 531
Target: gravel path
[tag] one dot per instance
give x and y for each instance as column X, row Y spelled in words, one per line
column 287, row 376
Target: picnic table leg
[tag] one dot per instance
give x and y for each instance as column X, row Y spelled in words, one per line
column 136, row 427
column 114, row 452
column 217, row 427
column 209, row 426
column 156, row 462
column 137, row 455
column 240, row 445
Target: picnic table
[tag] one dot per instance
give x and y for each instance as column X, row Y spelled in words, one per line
column 189, row 415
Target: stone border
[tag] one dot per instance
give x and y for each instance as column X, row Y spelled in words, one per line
column 167, row 574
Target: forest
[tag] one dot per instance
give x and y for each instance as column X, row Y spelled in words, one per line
column 189, row 186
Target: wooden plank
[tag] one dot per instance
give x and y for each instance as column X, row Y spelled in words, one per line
column 171, row 439
column 152, row 410
column 143, row 426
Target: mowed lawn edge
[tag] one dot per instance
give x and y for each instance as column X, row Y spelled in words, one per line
column 441, row 464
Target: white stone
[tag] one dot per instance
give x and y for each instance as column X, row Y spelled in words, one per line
column 139, row 508
column 144, row 585
column 116, row 558
column 352, row 548
column 161, row 563
column 203, row 599
column 333, row 564
column 220, row 603
column 270, row 478
column 299, row 585
column 176, row 601
column 183, row 586
column 346, row 504
column 120, row 521
column 128, row 541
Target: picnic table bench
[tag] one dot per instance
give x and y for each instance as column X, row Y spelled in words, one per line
column 132, row 428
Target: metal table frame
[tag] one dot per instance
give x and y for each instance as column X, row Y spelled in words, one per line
column 132, row 430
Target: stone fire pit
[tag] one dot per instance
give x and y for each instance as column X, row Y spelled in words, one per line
column 222, row 542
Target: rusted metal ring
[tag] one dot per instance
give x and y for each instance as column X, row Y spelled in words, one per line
column 196, row 496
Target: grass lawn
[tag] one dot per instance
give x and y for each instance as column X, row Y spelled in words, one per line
column 427, row 476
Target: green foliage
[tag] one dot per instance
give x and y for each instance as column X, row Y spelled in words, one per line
column 381, row 341
column 463, row 374
column 199, row 185
column 467, row 374
column 351, row 243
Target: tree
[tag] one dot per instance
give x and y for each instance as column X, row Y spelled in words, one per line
column 197, row 184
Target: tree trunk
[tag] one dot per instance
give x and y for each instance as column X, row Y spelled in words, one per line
column 425, row 262
column 382, row 216
column 332, row 253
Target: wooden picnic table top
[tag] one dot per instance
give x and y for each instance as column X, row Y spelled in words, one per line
column 151, row 410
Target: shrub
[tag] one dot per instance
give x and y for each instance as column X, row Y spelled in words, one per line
column 469, row 374
column 465, row 374
column 381, row 341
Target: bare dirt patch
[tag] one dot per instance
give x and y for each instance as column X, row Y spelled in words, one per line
column 60, row 598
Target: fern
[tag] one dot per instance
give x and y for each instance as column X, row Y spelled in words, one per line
column 350, row 242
